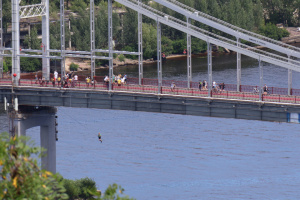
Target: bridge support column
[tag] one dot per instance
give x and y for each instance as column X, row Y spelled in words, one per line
column 30, row 116
column 92, row 30
column 189, row 55
column 110, row 45
column 238, row 66
column 62, row 38
column 46, row 41
column 15, row 41
column 159, row 64
column 209, row 70
column 140, row 46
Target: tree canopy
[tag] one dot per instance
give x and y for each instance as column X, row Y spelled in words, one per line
column 20, row 175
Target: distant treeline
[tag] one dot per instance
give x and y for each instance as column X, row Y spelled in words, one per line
column 260, row 16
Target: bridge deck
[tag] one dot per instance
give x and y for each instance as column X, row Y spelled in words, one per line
column 150, row 86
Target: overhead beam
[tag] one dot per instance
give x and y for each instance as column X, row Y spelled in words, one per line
column 36, row 10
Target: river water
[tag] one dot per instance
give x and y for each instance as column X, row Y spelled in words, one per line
column 167, row 157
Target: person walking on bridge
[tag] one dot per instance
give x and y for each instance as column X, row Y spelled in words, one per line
column 173, row 86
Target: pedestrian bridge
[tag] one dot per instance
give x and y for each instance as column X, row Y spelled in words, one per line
column 276, row 105
column 30, row 103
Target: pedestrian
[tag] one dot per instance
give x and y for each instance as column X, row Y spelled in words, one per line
column 173, row 86
column 265, row 89
column 53, row 82
column 200, row 85
column 36, row 78
column 55, row 75
column 58, row 81
column 204, row 84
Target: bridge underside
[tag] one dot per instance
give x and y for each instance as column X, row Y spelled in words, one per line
column 174, row 104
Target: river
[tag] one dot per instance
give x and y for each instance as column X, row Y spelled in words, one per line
column 167, row 157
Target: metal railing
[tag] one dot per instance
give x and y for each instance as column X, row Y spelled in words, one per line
column 248, row 92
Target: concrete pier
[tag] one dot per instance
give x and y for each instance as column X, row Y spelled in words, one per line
column 30, row 116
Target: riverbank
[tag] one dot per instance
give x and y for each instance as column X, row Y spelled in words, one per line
column 85, row 64
column 294, row 36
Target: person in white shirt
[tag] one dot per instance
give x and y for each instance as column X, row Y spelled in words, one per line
column 55, row 75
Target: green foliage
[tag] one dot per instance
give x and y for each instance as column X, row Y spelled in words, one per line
column 101, row 62
column 30, row 64
column 149, row 41
column 72, row 189
column 84, row 188
column 78, row 5
column 248, row 14
column 7, row 64
column 20, row 175
column 87, row 188
column 80, row 26
column 121, row 57
column 55, row 35
column 130, row 49
column 179, row 46
column 113, row 192
column 273, row 31
column 130, row 25
column 198, row 46
column 281, row 11
column 73, row 67
column 166, row 45
column 31, row 41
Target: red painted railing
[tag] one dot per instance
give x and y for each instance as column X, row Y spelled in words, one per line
column 151, row 86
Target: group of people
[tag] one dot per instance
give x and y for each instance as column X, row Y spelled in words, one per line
column 68, row 80
column 116, row 79
column 89, row 81
column 265, row 89
column 71, row 80
column 216, row 87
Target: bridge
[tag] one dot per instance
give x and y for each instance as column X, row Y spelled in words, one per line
column 30, row 103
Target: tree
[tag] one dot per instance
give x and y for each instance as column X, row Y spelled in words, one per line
column 7, row 63
column 113, row 192
column 130, row 28
column 20, row 175
column 31, row 41
column 149, row 41
column 273, row 31
column 73, row 66
column 55, row 35
column 30, row 64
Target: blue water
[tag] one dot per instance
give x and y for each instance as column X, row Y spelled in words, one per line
column 167, row 157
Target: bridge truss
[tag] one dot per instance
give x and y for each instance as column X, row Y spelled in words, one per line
column 289, row 61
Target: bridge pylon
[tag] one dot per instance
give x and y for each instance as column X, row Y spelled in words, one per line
column 28, row 11
column 26, row 117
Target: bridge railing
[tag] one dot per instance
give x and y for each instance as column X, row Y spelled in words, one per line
column 150, row 86
column 154, row 82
